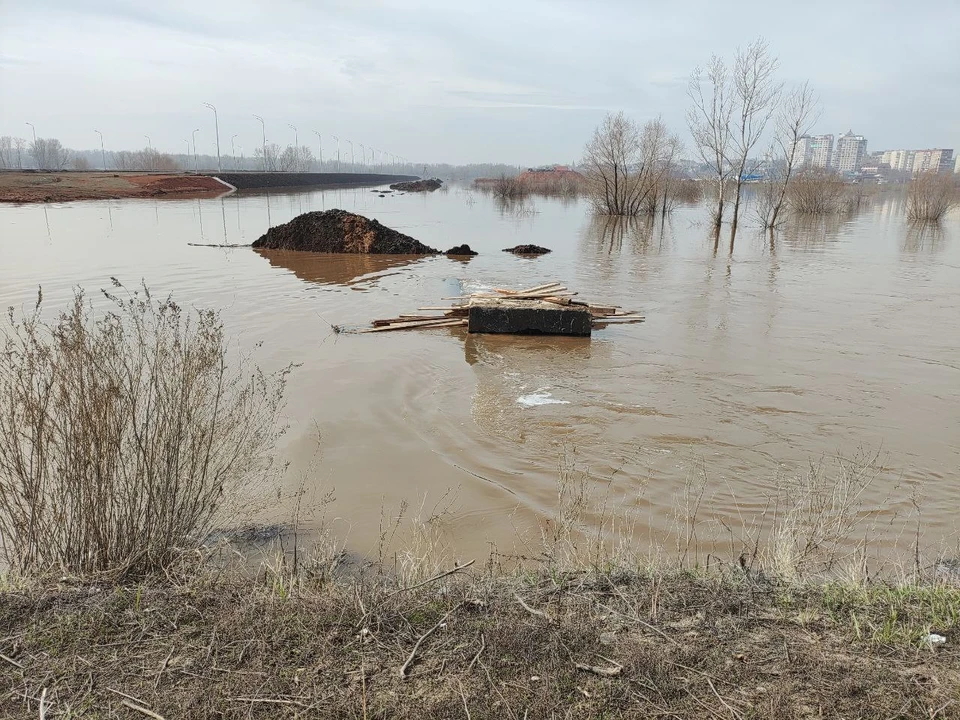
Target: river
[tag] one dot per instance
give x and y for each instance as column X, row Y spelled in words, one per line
column 840, row 339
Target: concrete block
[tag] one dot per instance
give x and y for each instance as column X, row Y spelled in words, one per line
column 528, row 318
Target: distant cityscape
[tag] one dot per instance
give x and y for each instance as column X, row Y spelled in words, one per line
column 850, row 157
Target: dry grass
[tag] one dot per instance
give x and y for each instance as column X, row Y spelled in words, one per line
column 125, row 436
column 931, row 196
column 577, row 645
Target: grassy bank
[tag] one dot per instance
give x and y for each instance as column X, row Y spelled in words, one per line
column 475, row 645
column 131, row 437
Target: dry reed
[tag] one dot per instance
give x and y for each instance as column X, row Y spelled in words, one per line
column 124, row 435
column 931, row 196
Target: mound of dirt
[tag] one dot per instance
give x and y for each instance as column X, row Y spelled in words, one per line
column 461, row 251
column 339, row 231
column 528, row 250
column 418, row 185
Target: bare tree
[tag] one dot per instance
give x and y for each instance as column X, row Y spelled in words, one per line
column 295, row 159
column 123, row 160
column 755, row 92
column 626, row 165
column 798, row 112
column 80, row 163
column 49, row 154
column 7, row 152
column 19, row 144
column 710, row 124
column 269, row 157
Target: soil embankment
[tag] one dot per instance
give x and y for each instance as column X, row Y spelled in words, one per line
column 418, row 185
column 31, row 187
column 339, row 231
column 287, row 180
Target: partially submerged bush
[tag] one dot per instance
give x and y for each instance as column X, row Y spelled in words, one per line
column 125, row 436
column 817, row 192
column 931, row 196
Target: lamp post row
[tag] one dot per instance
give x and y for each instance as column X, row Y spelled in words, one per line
column 263, row 129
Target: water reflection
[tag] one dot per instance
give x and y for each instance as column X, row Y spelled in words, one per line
column 814, row 232
column 335, row 269
column 607, row 234
column 522, row 349
column 922, row 237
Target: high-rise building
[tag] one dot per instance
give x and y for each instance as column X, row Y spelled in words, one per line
column 915, row 161
column 935, row 160
column 801, row 151
column 956, row 168
column 821, row 151
column 850, row 151
column 813, row 151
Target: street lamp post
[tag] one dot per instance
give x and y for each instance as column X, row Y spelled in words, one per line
column 149, row 143
column 196, row 161
column 233, row 152
column 103, row 154
column 34, row 132
column 363, row 156
column 263, row 129
column 296, row 147
column 338, row 152
column 319, row 148
column 353, row 164
column 216, row 125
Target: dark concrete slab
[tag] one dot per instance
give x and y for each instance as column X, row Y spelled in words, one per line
column 528, row 318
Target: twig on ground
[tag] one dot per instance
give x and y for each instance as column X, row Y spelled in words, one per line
column 463, row 696
column 497, row 691
column 456, row 569
column 163, row 667
column 129, row 697
column 269, row 701
column 532, row 611
column 483, row 644
column 602, row 671
column 11, row 661
column 737, row 715
column 413, row 653
column 43, row 704
column 142, row 710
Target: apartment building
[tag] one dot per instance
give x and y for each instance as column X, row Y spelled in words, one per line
column 850, row 151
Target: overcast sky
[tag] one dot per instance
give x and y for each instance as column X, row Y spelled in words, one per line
column 516, row 81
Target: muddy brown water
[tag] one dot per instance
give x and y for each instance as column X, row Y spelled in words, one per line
column 842, row 339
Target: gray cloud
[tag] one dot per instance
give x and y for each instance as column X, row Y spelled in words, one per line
column 523, row 81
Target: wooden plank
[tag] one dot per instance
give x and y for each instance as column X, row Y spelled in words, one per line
column 538, row 288
column 446, row 322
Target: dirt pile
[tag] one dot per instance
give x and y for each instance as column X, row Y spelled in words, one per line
column 528, row 250
column 339, row 231
column 418, row 185
column 461, row 251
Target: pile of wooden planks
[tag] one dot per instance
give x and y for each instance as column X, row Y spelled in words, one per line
column 456, row 315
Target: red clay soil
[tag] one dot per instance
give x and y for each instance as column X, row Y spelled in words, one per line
column 30, row 187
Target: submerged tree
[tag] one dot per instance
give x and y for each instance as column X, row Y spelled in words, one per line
column 710, row 124
column 755, row 93
column 730, row 112
column 627, row 166
column 798, row 112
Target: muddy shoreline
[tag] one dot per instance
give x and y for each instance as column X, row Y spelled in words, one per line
column 39, row 187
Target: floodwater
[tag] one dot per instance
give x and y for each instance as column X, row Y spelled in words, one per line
column 843, row 339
